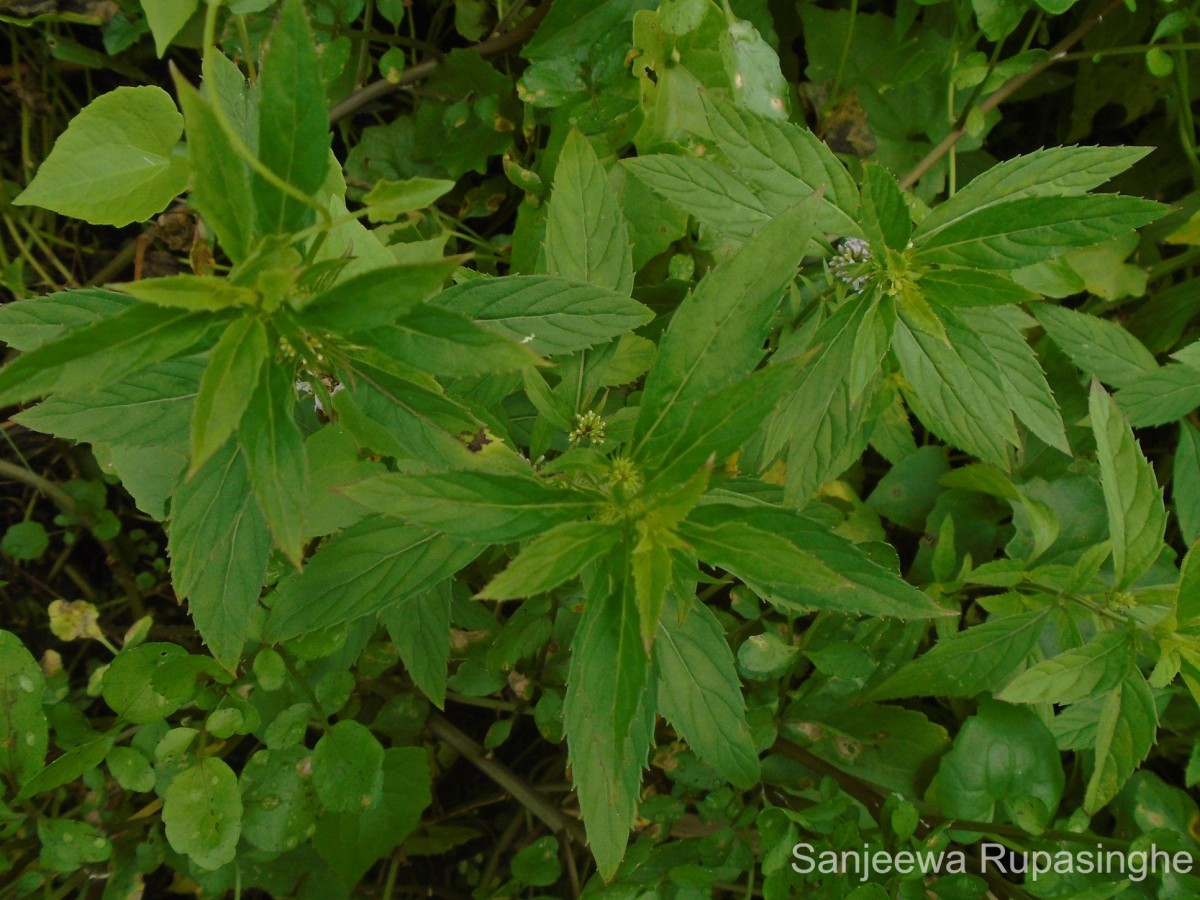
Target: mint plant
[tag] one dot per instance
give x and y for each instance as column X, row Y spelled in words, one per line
column 759, row 494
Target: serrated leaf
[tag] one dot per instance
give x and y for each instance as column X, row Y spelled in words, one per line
column 441, row 341
column 376, row 298
column 222, row 397
column 700, row 694
column 799, row 564
column 1124, row 735
column 704, row 189
column 885, row 215
column 293, row 133
column 103, row 352
column 958, row 288
column 362, row 570
column 1029, row 394
column 586, row 237
column 782, row 163
column 1136, row 516
column 956, row 389
column 1063, row 171
column 1077, row 674
column 149, row 409
column 977, row 659
column 27, row 324
column 419, row 626
column 274, row 450
column 482, row 506
column 220, row 179
column 1097, row 346
column 202, row 812
column 605, row 714
column 716, row 335
column 116, row 163
column 1185, row 482
column 1021, row 232
column 551, row 559
column 23, row 727
column 1159, row 397
column 550, row 315
column 219, row 543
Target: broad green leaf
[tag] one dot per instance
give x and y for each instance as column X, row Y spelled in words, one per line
column 976, row 660
column 713, row 426
column 782, row 163
column 1163, row 396
column 165, row 18
column 274, row 449
column 1095, row 668
column 1097, row 346
column 367, row 301
column 1003, row 754
column 605, row 713
column 552, row 558
column 116, row 163
column 360, row 571
column 1021, row 232
column 1187, row 604
column 704, row 189
column 149, row 409
column 388, row 200
column 1124, row 735
column 800, row 564
column 225, row 389
column 1062, row 171
column 586, row 237
column 103, row 353
column 652, row 568
column 23, row 728
column 550, row 315
column 957, row 389
column 279, row 805
column 481, row 506
column 351, row 842
column 293, row 134
column 220, row 179
column 752, row 66
column 219, row 543
column 441, row 341
column 419, row 626
column 716, row 335
column 1136, row 516
column 130, row 769
column 1185, row 482
column 129, row 687
column 69, row 844
column 886, row 219
column 700, row 695
column 1028, row 393
column 958, row 288
column 202, row 812
column 27, row 324
column 676, row 67
column 572, row 26
column 347, row 767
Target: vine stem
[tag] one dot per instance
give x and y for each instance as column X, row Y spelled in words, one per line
column 530, row 797
column 1057, row 54
column 412, row 74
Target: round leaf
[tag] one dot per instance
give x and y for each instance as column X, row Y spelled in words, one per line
column 203, row 813
column 348, row 768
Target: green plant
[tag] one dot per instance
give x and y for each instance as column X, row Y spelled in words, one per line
column 733, row 432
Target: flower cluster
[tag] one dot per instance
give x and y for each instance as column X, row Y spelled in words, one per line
column 588, row 425
column 847, row 264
